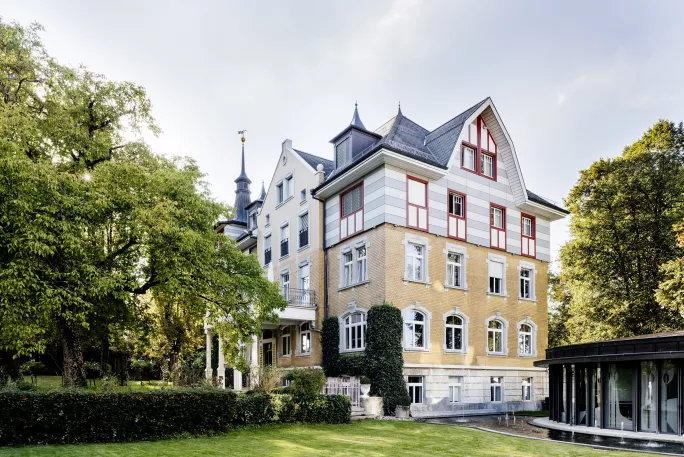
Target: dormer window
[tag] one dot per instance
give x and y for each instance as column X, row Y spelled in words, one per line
column 478, row 150
column 342, row 153
column 252, row 221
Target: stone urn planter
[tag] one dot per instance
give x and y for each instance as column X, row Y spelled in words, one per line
column 402, row 412
column 365, row 389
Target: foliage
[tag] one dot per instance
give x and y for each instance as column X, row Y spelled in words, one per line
column 559, row 304
column 190, row 371
column 94, row 225
column 268, row 377
column 352, row 365
column 670, row 292
column 74, row 416
column 384, row 356
column 365, row 380
column 621, row 241
column 306, row 382
column 33, row 369
column 330, row 345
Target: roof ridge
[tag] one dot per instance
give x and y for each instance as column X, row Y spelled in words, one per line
column 312, row 155
column 475, row 106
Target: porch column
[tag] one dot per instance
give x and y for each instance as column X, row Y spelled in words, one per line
column 208, row 371
column 237, row 379
column 254, row 362
column 221, row 375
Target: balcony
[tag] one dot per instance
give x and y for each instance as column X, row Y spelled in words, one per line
column 285, row 247
column 300, row 297
column 267, row 256
column 301, row 306
column 303, row 238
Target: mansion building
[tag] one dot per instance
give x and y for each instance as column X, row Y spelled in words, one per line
column 438, row 223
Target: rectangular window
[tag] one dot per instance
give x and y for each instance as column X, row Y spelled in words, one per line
column 496, row 277
column 487, row 165
column 417, row 203
column 267, row 250
column 351, row 211
column 361, row 264
column 302, row 195
column 454, row 265
column 285, row 240
column 415, row 262
column 285, row 285
column 496, row 388
column 342, row 156
column 415, row 388
column 286, row 342
column 268, row 220
column 252, row 221
column 455, row 386
column 287, row 187
column 456, row 217
column 304, row 230
column 280, row 196
column 497, row 227
column 527, row 389
column 469, row 158
column 347, row 269
column 525, row 283
column 528, row 241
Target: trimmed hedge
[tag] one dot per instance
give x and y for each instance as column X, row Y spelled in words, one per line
column 87, row 417
column 330, row 346
column 384, row 355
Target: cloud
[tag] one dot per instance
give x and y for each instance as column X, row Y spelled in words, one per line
column 399, row 10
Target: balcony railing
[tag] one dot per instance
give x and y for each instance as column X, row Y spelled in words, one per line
column 284, row 247
column 303, row 238
column 300, row 297
column 267, row 256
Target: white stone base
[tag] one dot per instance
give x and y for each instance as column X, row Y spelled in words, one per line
column 373, row 406
column 547, row 423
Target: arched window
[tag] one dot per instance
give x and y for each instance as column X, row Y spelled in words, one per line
column 454, row 333
column 495, row 337
column 414, row 331
column 527, row 338
column 354, row 331
column 305, row 338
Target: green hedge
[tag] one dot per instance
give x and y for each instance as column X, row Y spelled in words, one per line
column 82, row 417
column 384, row 355
column 335, row 364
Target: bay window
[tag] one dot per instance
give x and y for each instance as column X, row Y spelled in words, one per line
column 479, row 150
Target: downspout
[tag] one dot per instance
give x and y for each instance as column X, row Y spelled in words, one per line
column 325, row 270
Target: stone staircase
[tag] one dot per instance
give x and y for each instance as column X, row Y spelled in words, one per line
column 359, row 413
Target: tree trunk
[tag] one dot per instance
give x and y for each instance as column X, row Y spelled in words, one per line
column 73, row 370
column 105, row 367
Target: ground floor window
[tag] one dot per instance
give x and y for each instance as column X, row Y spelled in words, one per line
column 527, row 389
column 496, row 388
column 455, row 386
column 415, row 388
column 619, row 404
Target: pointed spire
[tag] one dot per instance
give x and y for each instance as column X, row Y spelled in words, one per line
column 243, row 175
column 242, row 192
column 356, row 120
column 399, row 112
column 262, row 196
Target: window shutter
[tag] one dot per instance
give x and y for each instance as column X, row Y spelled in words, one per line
column 495, row 269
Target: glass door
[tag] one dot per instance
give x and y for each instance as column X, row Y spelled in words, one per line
column 648, row 395
column 669, row 397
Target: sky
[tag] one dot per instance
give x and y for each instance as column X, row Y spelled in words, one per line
column 573, row 81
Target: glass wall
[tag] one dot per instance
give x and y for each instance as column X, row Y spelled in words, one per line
column 564, row 396
column 619, row 402
column 669, row 397
column 581, row 395
column 596, row 390
column 648, row 397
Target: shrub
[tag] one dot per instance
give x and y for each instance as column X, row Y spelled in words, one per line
column 365, row 380
column 330, row 346
column 75, row 416
column 352, row 365
column 390, row 403
column 33, row 369
column 269, row 377
column 385, row 364
column 306, row 382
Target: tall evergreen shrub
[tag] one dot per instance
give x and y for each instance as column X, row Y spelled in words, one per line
column 330, row 342
column 385, row 364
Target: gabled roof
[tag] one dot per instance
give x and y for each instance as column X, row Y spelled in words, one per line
column 314, row 160
column 543, row 201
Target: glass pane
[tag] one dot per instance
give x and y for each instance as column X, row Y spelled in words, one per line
column 418, row 336
column 564, row 396
column 449, row 338
column 668, row 398
column 597, row 396
column 619, row 397
column 416, row 191
column 648, row 396
column 457, row 339
column 581, row 395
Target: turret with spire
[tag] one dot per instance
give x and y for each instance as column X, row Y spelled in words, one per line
column 351, row 141
column 242, row 194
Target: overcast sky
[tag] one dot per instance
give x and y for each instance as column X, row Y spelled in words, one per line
column 572, row 81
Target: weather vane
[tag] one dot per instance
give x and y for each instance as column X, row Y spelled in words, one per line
column 242, row 132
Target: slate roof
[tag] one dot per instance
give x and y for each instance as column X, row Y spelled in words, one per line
column 542, row 201
column 314, row 160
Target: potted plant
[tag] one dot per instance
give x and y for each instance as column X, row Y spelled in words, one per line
column 365, row 386
column 402, row 408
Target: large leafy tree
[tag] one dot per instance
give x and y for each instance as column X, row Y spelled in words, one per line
column 91, row 221
column 622, row 214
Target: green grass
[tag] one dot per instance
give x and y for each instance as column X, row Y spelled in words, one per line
column 544, row 413
column 365, row 438
column 55, row 382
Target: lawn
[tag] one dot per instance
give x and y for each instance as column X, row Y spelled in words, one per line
column 371, row 438
column 55, row 382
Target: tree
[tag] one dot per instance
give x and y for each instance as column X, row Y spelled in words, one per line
column 92, row 222
column 670, row 292
column 622, row 214
column 559, row 303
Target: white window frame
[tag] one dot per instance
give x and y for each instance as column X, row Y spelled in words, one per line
column 408, row 317
column 288, row 186
column 523, row 226
column 302, row 195
column 504, row 335
column 523, row 265
column 464, row 331
column 413, row 260
column 487, row 161
column 412, row 386
column 268, row 244
column 350, row 266
column 460, row 250
column 502, row 260
column 454, row 268
column 409, row 240
column 533, row 336
column 280, row 193
column 301, row 284
column 467, row 150
column 498, row 384
column 285, row 285
column 302, row 334
column 527, row 393
column 284, row 229
column 286, row 341
column 361, row 326
column 302, row 214
column 496, row 211
column 268, row 220
column 456, row 387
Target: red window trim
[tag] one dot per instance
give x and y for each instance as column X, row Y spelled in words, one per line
column 408, row 205
column 465, row 208
column 342, row 194
column 479, row 151
column 492, row 226
column 533, row 237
